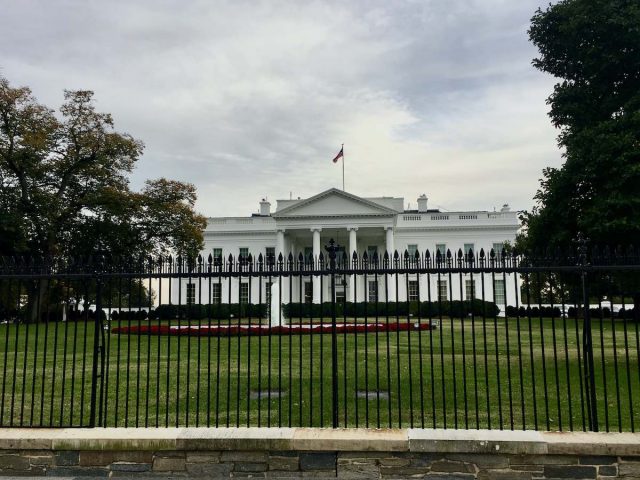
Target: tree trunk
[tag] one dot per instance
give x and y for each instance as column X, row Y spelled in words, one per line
column 36, row 300
column 636, row 307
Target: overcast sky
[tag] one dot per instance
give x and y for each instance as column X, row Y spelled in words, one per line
column 250, row 99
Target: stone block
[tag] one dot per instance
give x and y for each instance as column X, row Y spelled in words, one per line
column 358, row 470
column 242, row 438
column 281, row 474
column 476, row 441
column 168, row 464
column 211, row 470
column 480, row 459
column 505, row 474
column 130, row 467
column 40, row 459
column 240, row 456
column 402, row 472
column 597, row 460
column 527, row 468
column 289, row 464
column 35, row 471
column 570, row 471
column 249, row 467
column 283, row 453
column 347, row 455
column 249, row 474
column 608, row 470
column 203, row 457
column 27, row 438
column 14, row 462
column 98, row 458
column 425, row 459
column 452, row 467
column 350, row 439
column 452, row 476
column 318, row 461
column 68, row 458
column 149, row 475
column 629, row 468
column 593, row 443
column 318, row 474
column 395, row 461
column 71, row 471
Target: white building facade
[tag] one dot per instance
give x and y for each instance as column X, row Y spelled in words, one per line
column 372, row 225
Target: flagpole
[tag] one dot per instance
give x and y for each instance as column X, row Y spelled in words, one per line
column 343, row 167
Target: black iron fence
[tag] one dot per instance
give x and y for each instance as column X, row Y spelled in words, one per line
column 459, row 340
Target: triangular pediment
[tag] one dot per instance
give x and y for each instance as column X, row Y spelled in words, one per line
column 334, row 203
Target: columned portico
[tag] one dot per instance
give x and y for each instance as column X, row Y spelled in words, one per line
column 316, row 254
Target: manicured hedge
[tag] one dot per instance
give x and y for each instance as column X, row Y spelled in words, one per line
column 571, row 312
column 370, row 309
column 534, row 311
column 214, row 311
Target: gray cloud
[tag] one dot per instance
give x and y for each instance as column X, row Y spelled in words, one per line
column 247, row 99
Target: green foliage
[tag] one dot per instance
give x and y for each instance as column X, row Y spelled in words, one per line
column 214, row 311
column 593, row 47
column 65, row 186
column 370, row 309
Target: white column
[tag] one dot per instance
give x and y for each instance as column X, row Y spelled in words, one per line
column 391, row 279
column 279, row 243
column 316, row 253
column 353, row 247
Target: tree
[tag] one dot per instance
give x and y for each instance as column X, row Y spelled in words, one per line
column 65, row 189
column 593, row 47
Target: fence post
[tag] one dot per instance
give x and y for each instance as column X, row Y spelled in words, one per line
column 587, row 337
column 332, row 248
column 97, row 347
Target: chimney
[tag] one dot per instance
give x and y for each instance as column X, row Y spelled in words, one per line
column 422, row 203
column 265, row 207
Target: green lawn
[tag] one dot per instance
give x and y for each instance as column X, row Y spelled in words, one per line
column 467, row 374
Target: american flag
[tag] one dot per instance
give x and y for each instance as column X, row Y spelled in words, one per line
column 339, row 155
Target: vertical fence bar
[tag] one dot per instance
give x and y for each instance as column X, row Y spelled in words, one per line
column 334, row 338
column 96, row 350
column 587, row 347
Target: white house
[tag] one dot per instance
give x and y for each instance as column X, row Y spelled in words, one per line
column 374, row 225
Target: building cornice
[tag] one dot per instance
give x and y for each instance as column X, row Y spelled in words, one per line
column 431, row 228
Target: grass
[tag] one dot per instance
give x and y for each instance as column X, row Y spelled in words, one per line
column 470, row 373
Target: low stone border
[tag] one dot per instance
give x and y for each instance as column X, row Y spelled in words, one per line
column 305, row 452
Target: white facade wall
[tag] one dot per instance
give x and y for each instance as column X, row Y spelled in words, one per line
column 337, row 215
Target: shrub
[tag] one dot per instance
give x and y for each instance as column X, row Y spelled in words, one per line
column 206, row 311
column 391, row 309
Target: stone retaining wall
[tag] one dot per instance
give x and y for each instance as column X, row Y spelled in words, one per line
column 318, row 453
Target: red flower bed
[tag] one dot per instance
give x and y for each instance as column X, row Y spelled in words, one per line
column 243, row 330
